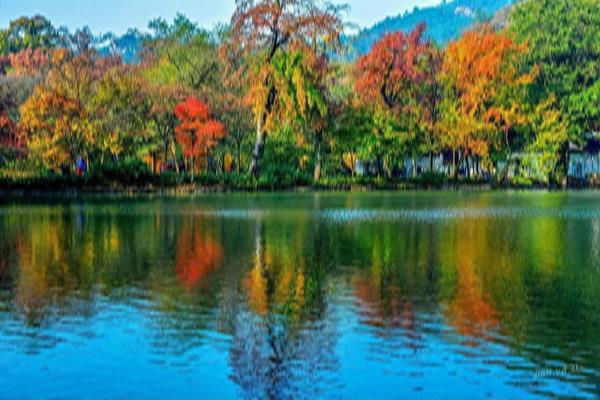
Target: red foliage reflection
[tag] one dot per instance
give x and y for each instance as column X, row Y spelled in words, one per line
column 198, row 255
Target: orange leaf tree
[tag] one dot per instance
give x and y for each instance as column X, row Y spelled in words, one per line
column 11, row 142
column 482, row 75
column 197, row 132
column 60, row 118
column 29, row 62
column 266, row 30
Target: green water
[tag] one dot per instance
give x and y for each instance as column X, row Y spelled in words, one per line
column 376, row 295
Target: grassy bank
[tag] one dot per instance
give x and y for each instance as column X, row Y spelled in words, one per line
column 178, row 183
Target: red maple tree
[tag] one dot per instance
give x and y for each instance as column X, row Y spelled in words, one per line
column 197, row 131
column 388, row 73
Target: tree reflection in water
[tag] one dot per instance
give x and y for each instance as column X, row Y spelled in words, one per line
column 471, row 310
column 283, row 343
column 266, row 292
column 198, row 254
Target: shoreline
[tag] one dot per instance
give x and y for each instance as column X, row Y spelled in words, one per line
column 199, row 189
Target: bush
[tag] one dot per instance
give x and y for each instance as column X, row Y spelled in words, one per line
column 430, row 178
column 521, row 181
column 128, row 170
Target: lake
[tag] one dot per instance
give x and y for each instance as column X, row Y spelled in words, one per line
column 301, row 295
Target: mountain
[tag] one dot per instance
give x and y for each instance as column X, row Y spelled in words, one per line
column 128, row 46
column 445, row 21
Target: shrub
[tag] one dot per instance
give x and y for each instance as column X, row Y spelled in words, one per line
column 127, row 170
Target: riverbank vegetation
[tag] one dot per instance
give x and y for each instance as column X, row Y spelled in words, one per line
column 276, row 99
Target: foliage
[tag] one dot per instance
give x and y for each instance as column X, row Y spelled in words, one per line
column 550, row 131
column 28, row 33
column 266, row 30
column 564, row 41
column 388, row 74
column 506, row 95
column 29, row 62
column 181, row 54
column 197, row 131
column 59, row 119
column 481, row 74
column 397, row 81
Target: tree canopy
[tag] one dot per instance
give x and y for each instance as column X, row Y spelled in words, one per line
column 274, row 93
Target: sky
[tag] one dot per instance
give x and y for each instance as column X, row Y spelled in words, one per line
column 119, row 15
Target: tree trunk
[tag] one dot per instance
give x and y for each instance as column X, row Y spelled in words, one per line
column 239, row 157
column 564, row 161
column 454, row 163
column 431, row 161
column 380, row 165
column 175, row 159
column 259, row 149
column 414, row 163
column 318, row 155
column 193, row 168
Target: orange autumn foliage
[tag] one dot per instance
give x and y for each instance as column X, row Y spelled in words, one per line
column 197, row 131
column 198, row 255
column 9, row 135
column 481, row 69
column 30, row 62
column 471, row 311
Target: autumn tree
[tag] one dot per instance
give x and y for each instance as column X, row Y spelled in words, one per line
column 30, row 62
column 390, row 79
column 14, row 91
column 304, row 106
column 311, row 100
column 234, row 110
column 387, row 74
column 24, row 70
column 162, row 100
column 266, row 30
column 482, row 76
column 197, row 131
column 60, row 118
column 11, row 142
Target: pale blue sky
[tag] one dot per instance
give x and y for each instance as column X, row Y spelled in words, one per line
column 118, row 15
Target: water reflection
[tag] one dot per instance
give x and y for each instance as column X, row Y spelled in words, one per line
column 198, row 254
column 287, row 301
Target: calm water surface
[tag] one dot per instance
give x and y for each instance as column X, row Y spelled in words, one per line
column 379, row 295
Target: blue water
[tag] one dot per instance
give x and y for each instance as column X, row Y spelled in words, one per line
column 377, row 295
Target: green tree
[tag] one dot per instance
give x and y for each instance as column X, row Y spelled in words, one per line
column 28, row 33
column 563, row 37
column 120, row 113
column 182, row 53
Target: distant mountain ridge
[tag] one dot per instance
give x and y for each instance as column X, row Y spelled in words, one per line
column 445, row 21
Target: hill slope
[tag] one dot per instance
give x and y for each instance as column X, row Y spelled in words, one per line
column 445, row 21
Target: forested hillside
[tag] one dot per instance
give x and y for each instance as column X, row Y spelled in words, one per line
column 444, row 22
